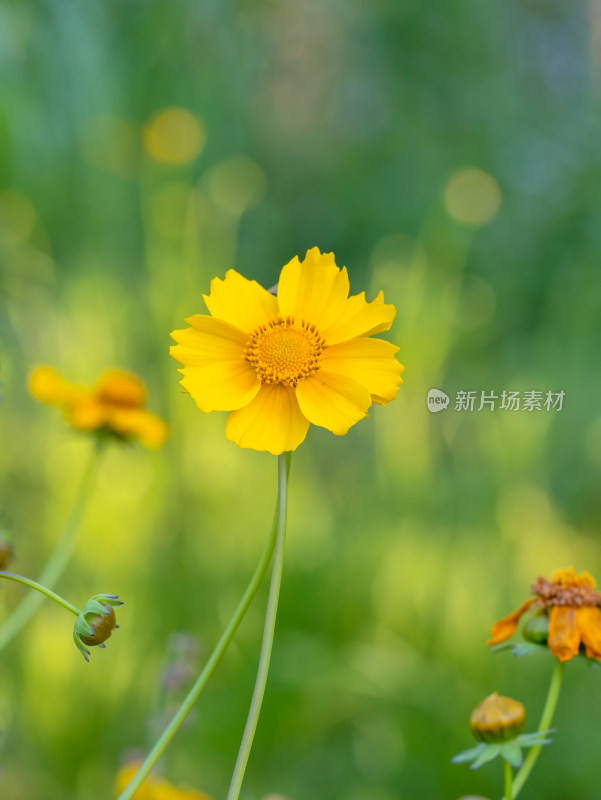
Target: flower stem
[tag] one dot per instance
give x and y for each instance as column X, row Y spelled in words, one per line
column 544, row 725
column 508, row 780
column 60, row 556
column 268, row 631
column 12, row 576
column 210, row 667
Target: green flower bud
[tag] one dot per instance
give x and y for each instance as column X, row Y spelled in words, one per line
column 6, row 549
column 96, row 622
column 497, row 719
column 537, row 629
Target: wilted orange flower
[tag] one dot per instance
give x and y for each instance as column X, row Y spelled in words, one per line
column 573, row 609
column 280, row 363
column 154, row 788
column 115, row 404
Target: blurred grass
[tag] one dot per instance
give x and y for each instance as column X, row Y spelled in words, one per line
column 347, row 127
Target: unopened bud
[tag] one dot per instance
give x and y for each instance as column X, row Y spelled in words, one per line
column 537, row 629
column 6, row 549
column 96, row 622
column 497, row 719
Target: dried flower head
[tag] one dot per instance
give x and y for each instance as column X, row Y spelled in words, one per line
column 568, row 615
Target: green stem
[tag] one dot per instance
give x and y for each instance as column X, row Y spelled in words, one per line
column 268, row 632
column 12, row 576
column 544, row 725
column 60, row 556
column 209, row 669
column 508, row 780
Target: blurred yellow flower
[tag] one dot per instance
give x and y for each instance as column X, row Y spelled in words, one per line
column 154, row 788
column 115, row 404
column 279, row 363
column 174, row 136
column 571, row 614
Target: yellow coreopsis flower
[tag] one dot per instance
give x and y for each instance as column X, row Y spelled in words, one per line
column 116, row 404
column 154, row 788
column 280, row 363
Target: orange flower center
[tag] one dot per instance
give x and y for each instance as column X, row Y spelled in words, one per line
column 567, row 588
column 282, row 352
column 121, row 389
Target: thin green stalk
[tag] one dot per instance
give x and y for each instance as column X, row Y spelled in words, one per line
column 208, row 670
column 268, row 632
column 60, row 555
column 44, row 590
column 508, row 780
column 544, row 725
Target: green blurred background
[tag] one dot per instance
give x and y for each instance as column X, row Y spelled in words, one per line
column 448, row 154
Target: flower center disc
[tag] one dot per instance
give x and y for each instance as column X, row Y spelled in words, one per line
column 283, row 353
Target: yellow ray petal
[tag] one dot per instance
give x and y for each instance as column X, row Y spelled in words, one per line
column 332, row 401
column 507, row 626
column 87, row 414
column 47, row 386
column 564, row 633
column 272, row 421
column 360, row 318
column 243, row 303
column 150, row 429
column 370, row 362
column 314, row 290
column 207, row 341
column 589, row 622
column 221, row 386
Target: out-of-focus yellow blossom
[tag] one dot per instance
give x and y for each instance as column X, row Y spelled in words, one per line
column 115, row 404
column 280, row 363
column 154, row 788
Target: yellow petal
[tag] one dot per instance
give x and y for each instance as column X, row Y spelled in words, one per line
column 589, row 622
column 370, row 362
column 140, row 424
column 564, row 633
column 332, row 401
column 87, row 414
column 126, row 775
column 47, row 386
column 360, row 318
column 243, row 303
column 272, row 421
column 221, row 386
column 313, row 290
column 507, row 626
column 207, row 341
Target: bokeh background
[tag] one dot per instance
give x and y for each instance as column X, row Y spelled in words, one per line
column 448, row 154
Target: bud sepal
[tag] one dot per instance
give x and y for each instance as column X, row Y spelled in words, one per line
column 95, row 623
column 510, row 751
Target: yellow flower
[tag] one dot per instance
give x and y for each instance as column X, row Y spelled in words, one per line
column 154, row 788
column 279, row 363
column 573, row 609
column 115, row 404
